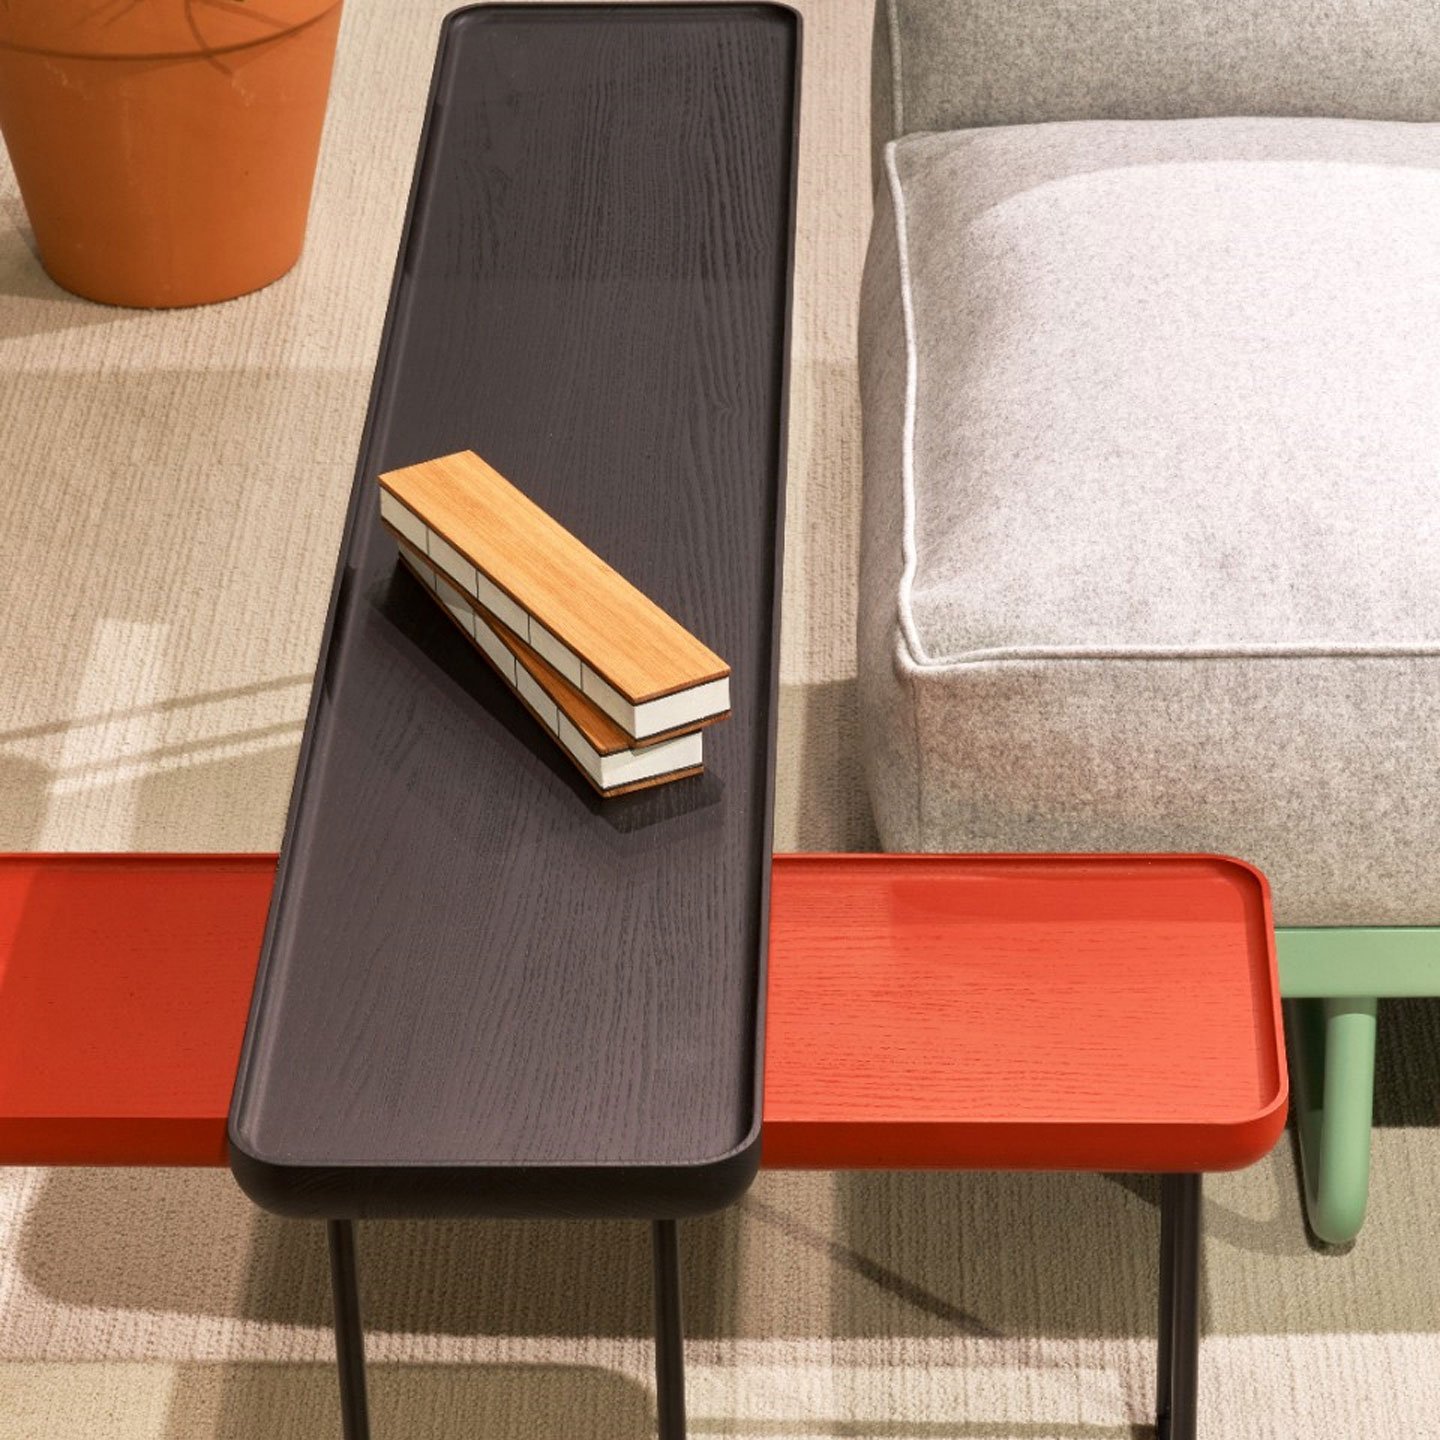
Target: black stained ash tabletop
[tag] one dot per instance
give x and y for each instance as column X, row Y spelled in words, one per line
column 484, row 990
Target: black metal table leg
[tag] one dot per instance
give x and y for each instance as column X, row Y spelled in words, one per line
column 669, row 1332
column 1165, row 1329
column 349, row 1337
column 1179, row 1346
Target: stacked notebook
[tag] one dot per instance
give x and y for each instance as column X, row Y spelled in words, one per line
column 623, row 687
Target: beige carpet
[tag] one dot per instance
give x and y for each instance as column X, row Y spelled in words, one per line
column 172, row 494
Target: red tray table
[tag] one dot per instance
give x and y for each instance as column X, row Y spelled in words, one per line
column 956, row 1012
column 1031, row 1013
column 124, row 983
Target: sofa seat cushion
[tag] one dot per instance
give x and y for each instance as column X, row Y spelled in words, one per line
column 1151, row 546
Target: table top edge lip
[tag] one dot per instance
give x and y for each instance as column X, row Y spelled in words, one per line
column 1023, row 857
column 635, row 11
column 689, row 1187
column 157, row 858
column 494, row 1167
column 1277, row 1102
column 1258, row 904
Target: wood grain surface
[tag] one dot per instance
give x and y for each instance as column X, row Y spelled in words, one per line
column 485, row 990
column 1022, row 1012
column 590, row 608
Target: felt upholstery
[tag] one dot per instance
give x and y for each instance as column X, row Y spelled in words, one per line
column 951, row 64
column 1151, row 543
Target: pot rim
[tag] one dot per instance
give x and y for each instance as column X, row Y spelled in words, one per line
column 14, row 40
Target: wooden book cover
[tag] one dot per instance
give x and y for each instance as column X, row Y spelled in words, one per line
column 603, row 734
column 610, row 641
column 602, row 752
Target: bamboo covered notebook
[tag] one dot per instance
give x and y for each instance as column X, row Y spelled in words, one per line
column 611, row 642
column 611, row 760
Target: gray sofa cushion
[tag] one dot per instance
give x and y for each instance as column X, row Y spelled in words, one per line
column 944, row 64
column 1151, row 544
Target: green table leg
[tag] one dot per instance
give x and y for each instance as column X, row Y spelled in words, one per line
column 1333, row 1052
column 1330, row 979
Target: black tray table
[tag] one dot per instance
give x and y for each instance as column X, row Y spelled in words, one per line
column 484, row 990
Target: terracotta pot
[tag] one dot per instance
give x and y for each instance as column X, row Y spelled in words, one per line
column 165, row 149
